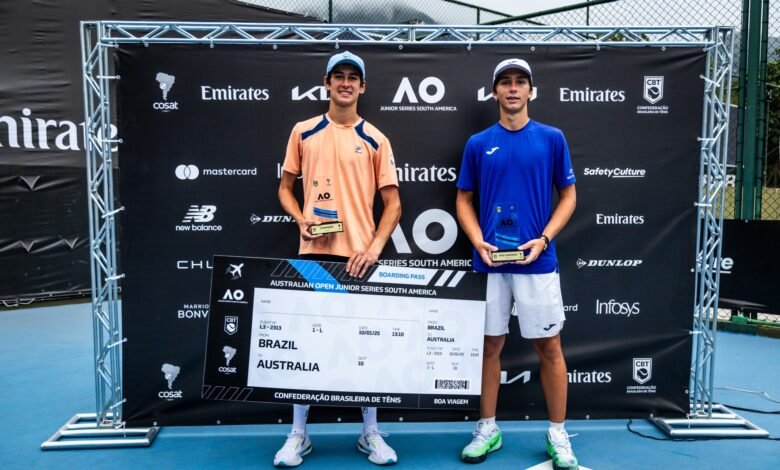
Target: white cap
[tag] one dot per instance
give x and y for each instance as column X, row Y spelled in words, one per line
column 518, row 64
column 346, row 57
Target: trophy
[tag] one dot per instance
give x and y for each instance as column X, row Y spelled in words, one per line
column 507, row 232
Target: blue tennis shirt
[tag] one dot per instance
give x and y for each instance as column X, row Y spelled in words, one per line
column 514, row 173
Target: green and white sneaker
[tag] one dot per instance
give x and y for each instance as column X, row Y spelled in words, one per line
column 294, row 449
column 559, row 448
column 487, row 439
column 371, row 443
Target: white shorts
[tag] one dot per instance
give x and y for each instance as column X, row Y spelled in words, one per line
column 536, row 299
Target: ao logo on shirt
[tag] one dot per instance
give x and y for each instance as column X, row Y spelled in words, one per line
column 324, row 197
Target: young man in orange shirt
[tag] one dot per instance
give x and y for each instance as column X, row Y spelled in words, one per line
column 343, row 161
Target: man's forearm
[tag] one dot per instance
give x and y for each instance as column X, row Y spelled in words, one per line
column 391, row 215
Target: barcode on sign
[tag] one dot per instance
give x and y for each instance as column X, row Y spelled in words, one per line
column 446, row 384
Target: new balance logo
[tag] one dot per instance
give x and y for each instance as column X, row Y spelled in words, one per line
column 200, row 214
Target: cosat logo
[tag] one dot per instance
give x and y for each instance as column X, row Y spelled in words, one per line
column 430, row 90
column 643, row 370
column 608, row 263
column 165, row 82
column 229, row 353
column 231, row 322
column 170, row 374
column 235, row 296
column 317, row 93
column 196, row 217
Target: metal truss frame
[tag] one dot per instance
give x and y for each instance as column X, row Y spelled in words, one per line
column 99, row 37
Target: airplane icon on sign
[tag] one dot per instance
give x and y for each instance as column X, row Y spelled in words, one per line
column 235, row 270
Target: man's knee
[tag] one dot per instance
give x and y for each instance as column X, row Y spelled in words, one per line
column 493, row 346
column 549, row 349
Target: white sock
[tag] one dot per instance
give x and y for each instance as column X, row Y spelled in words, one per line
column 369, row 419
column 300, row 415
column 557, row 426
column 489, row 422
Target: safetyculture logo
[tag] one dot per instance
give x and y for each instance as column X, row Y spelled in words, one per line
column 170, row 374
column 192, row 172
column 165, row 82
column 615, row 172
column 409, row 95
column 196, row 218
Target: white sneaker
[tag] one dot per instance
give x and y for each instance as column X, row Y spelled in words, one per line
column 378, row 451
column 559, row 448
column 487, row 439
column 295, row 447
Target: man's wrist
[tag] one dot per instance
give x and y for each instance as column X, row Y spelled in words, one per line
column 546, row 241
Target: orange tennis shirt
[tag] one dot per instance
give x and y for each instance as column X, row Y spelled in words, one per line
column 342, row 168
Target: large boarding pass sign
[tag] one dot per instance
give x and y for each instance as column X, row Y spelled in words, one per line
column 295, row 331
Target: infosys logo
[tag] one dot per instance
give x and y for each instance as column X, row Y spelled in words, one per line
column 192, row 172
column 608, row 263
column 619, row 219
column 570, row 95
column 616, row 172
column 615, row 308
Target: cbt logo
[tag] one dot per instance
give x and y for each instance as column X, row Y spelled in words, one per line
column 431, row 90
column 654, row 89
column 643, row 370
column 165, row 82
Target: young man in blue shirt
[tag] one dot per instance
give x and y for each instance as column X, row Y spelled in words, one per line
column 514, row 166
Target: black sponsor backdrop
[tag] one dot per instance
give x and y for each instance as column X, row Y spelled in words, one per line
column 44, row 240
column 749, row 271
column 167, row 280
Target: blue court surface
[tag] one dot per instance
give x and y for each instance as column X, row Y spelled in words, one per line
column 47, row 377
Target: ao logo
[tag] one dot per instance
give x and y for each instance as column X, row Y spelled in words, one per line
column 421, row 224
column 237, row 294
column 423, row 90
